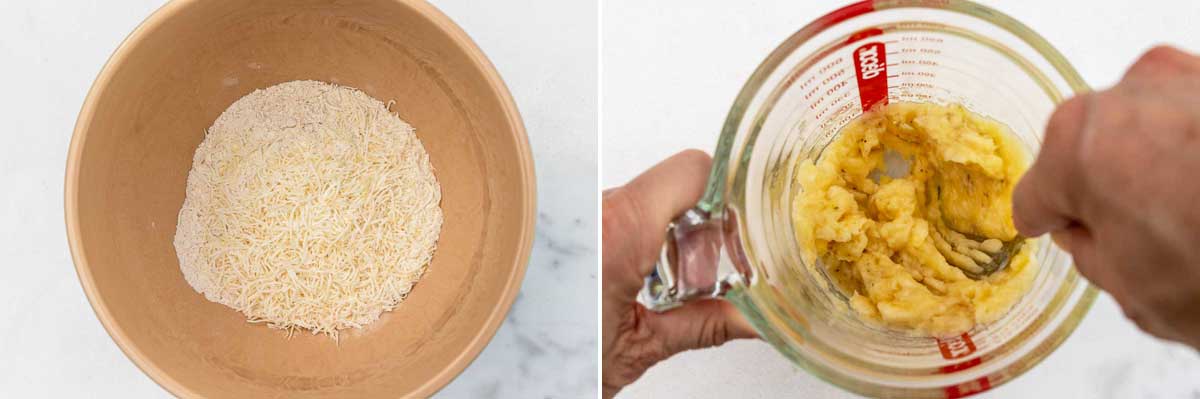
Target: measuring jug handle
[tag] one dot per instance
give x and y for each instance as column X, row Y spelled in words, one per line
column 689, row 265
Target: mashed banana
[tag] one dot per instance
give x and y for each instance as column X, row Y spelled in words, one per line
column 890, row 238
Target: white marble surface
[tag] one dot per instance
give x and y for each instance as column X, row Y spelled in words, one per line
column 53, row 346
column 670, row 71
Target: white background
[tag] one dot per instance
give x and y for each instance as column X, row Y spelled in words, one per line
column 51, row 344
column 671, row 69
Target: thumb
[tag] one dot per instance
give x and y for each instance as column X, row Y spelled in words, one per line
column 1043, row 200
column 636, row 216
column 700, row 324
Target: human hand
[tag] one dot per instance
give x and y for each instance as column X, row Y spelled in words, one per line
column 635, row 218
column 1116, row 185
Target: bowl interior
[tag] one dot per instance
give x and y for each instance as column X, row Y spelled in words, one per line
column 133, row 149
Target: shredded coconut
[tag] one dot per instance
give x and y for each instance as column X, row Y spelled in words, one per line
column 308, row 206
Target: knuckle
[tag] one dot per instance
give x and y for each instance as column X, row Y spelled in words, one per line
column 1068, row 115
column 1112, row 110
column 1105, row 126
column 1085, row 267
column 1153, row 59
column 1063, row 132
column 617, row 218
column 713, row 332
column 618, row 209
column 621, row 226
column 1161, row 53
column 1159, row 60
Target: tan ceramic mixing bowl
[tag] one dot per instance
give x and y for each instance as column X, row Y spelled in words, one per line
column 147, row 112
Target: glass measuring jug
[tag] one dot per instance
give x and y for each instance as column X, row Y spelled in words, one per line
column 738, row 243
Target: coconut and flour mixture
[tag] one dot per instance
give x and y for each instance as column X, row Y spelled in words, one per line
column 308, row 206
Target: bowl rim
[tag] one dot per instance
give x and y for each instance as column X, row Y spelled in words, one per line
column 448, row 27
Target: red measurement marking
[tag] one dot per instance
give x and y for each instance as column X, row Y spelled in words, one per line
column 816, row 103
column 961, row 366
column 956, row 347
column 834, row 77
column 922, row 85
column 810, row 80
column 968, row 388
column 836, row 86
column 919, row 96
column 830, row 65
column 870, row 69
column 863, row 34
column 811, row 93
